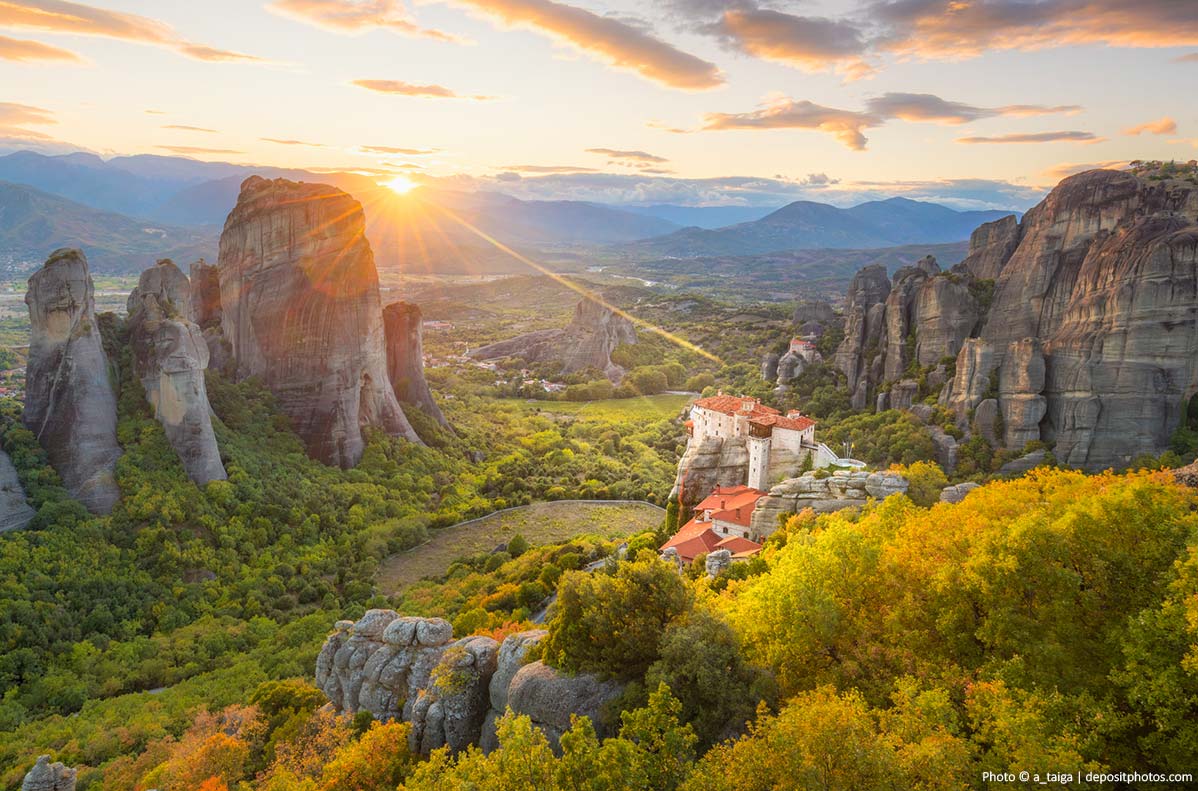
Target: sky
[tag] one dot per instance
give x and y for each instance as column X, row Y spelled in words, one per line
column 974, row 103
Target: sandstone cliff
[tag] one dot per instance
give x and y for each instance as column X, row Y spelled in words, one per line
column 451, row 691
column 1092, row 339
column 15, row 513
column 70, row 405
column 169, row 358
column 403, row 324
column 841, row 489
column 588, row 341
column 301, row 310
column 206, row 313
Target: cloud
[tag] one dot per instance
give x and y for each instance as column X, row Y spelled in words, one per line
column 949, row 29
column 356, row 16
column 283, row 142
column 404, row 165
column 1190, row 58
column 1036, row 137
column 1065, row 169
column 198, row 150
column 616, row 42
column 818, row 180
column 635, row 158
column 60, row 16
column 155, row 112
column 809, row 43
column 927, row 107
column 845, row 125
column 23, row 51
column 12, row 114
column 411, row 152
column 185, row 128
column 1185, row 141
column 546, row 169
column 1161, row 126
column 422, row 91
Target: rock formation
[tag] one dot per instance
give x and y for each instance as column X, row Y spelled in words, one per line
column 1091, row 343
column 451, row 691
column 956, row 493
column 708, row 463
column 405, row 358
column 46, row 776
column 15, row 513
column 301, row 310
column 990, row 245
column 588, row 341
column 206, row 313
column 170, row 357
column 70, row 405
column 863, row 321
column 841, row 489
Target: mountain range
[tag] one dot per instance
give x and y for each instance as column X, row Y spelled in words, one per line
column 114, row 209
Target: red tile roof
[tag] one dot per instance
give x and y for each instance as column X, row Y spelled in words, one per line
column 735, row 405
column 733, row 504
column 739, row 547
column 777, row 421
column 693, row 539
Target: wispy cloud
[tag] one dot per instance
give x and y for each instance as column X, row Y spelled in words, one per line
column 60, row 16
column 547, row 169
column 928, row 107
column 616, row 42
column 411, row 152
column 356, row 16
column 628, row 157
column 185, row 128
column 401, row 88
column 24, row 51
column 1190, row 58
column 285, row 142
column 809, row 43
column 1161, row 126
column 12, row 114
column 1066, row 169
column 1036, row 137
column 198, row 150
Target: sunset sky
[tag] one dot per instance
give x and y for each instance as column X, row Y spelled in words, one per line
column 979, row 103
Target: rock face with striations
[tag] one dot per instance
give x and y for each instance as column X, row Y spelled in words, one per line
column 588, row 341
column 206, row 313
column 70, row 405
column 301, row 310
column 863, row 321
column 1093, row 331
column 15, row 513
column 403, row 324
column 841, row 489
column 451, row 691
column 170, row 357
column 46, row 776
column 990, row 246
column 708, row 463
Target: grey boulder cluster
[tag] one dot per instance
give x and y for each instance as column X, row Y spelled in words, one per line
column 46, row 776
column 587, row 342
column 451, row 691
column 842, row 489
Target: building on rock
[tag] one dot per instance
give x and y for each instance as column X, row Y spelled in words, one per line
column 721, row 521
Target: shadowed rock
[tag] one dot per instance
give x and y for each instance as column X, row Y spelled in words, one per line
column 15, row 513
column 301, row 310
column 46, row 776
column 405, row 358
column 70, row 405
column 169, row 358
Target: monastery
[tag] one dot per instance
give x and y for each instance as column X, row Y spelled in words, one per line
column 721, row 521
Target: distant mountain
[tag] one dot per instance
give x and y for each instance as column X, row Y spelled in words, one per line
column 34, row 223
column 701, row 216
column 805, row 225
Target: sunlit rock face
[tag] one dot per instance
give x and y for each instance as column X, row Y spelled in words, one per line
column 70, row 403
column 301, row 311
column 587, row 342
column 169, row 358
column 405, row 358
column 1092, row 338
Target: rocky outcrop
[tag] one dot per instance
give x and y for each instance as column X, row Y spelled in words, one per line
column 841, row 489
column 15, row 513
column 1026, row 462
column 717, row 561
column 769, row 366
column 301, row 310
column 206, row 313
column 593, row 334
column 70, row 403
column 863, row 323
column 956, row 493
column 46, row 776
column 990, row 247
column 1104, row 276
column 708, row 463
column 169, row 358
column 550, row 699
column 410, row 669
column 814, row 310
column 945, row 314
column 404, row 329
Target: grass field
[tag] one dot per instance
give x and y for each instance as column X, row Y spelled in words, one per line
column 656, row 407
column 540, row 523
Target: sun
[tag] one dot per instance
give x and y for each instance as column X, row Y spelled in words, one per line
column 401, row 185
